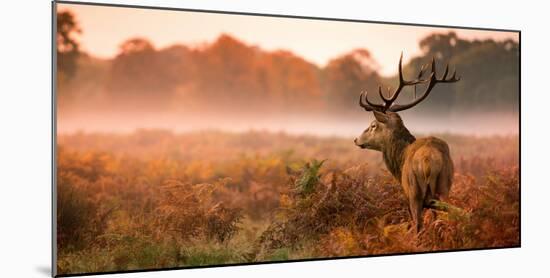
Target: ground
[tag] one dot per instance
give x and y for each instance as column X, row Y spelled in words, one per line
column 155, row 199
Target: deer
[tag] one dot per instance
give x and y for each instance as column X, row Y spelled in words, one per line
column 423, row 166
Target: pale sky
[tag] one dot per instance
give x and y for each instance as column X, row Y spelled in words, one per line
column 318, row 41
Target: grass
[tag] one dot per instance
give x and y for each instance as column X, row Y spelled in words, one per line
column 154, row 199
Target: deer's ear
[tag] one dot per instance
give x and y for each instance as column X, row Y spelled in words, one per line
column 381, row 117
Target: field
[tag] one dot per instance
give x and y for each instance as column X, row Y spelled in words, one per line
column 156, row 199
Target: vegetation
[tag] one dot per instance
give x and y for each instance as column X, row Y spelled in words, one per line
column 68, row 49
column 239, row 75
column 157, row 199
column 153, row 199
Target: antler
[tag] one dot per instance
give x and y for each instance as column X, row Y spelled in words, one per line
column 388, row 105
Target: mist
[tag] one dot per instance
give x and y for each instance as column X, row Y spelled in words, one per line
column 229, row 85
column 325, row 125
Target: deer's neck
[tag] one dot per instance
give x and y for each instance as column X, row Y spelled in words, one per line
column 394, row 151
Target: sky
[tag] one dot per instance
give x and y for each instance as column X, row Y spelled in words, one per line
column 318, row 41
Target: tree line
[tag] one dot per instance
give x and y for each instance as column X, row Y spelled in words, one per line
column 227, row 74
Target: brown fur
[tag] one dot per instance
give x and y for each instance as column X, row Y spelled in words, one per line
column 427, row 173
column 424, row 166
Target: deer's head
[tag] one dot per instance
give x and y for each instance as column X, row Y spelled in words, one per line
column 388, row 126
column 382, row 130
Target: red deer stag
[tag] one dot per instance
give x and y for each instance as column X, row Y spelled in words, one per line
column 423, row 166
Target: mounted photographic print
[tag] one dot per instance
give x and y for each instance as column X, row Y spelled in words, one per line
column 187, row 138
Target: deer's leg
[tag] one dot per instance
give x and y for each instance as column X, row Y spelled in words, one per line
column 416, row 200
column 428, row 203
column 416, row 207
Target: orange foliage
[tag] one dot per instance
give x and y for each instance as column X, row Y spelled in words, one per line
column 156, row 199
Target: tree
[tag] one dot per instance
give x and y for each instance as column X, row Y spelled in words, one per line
column 232, row 72
column 346, row 76
column 489, row 72
column 67, row 46
column 226, row 70
column 141, row 74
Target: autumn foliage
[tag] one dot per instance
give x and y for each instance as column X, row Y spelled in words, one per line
column 154, row 199
column 223, row 75
column 130, row 198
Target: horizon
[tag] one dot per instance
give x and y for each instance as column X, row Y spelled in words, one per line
column 474, row 125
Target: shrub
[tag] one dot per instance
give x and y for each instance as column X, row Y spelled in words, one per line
column 191, row 211
column 340, row 201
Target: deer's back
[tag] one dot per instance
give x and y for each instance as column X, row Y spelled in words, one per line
column 428, row 167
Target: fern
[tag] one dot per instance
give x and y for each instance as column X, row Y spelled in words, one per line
column 310, row 176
